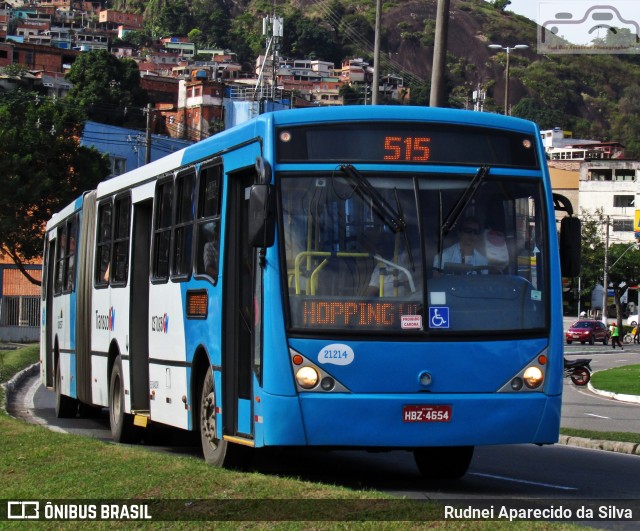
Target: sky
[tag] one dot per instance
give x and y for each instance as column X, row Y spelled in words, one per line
column 526, row 8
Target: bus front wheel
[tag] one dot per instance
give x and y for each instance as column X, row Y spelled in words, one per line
column 443, row 462
column 217, row 452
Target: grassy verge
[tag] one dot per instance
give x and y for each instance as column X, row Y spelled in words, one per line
column 616, row 436
column 624, row 380
column 13, row 361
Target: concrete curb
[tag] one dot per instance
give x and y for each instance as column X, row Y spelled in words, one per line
column 633, row 399
column 15, row 382
column 595, row 444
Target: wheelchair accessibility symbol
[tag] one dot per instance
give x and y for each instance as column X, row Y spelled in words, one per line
column 438, row 317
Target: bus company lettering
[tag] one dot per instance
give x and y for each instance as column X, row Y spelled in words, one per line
column 106, row 321
column 160, row 323
column 359, row 314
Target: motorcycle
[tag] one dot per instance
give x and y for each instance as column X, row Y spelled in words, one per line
column 578, row 370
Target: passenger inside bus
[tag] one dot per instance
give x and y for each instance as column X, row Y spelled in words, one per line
column 392, row 275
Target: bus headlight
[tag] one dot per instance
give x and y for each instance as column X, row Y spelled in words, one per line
column 533, row 377
column 307, row 377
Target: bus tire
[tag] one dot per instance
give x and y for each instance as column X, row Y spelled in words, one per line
column 66, row 407
column 122, row 428
column 217, row 452
column 443, row 462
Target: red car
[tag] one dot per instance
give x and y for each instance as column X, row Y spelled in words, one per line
column 588, row 330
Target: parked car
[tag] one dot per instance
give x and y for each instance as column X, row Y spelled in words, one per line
column 588, row 330
column 632, row 320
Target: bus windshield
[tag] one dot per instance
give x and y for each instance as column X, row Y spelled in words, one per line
column 449, row 253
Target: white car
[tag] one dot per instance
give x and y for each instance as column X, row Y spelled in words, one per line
column 632, row 320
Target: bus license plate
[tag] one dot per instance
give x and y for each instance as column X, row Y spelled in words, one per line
column 426, row 413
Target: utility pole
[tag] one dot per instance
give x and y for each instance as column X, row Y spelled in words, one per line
column 436, row 98
column 605, row 276
column 147, row 156
column 376, row 55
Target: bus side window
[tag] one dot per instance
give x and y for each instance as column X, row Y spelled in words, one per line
column 122, row 209
column 70, row 259
column 183, row 230
column 208, row 222
column 162, row 230
column 103, row 244
column 60, row 260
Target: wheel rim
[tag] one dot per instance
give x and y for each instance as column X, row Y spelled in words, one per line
column 580, row 376
column 208, row 419
column 116, row 406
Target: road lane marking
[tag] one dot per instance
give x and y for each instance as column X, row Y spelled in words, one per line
column 503, row 478
column 597, row 416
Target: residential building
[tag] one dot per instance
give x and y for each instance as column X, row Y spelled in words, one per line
column 110, row 19
column 19, row 301
column 200, row 109
column 612, row 185
column 127, row 147
column 36, row 56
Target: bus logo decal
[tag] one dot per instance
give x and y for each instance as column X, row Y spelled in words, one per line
column 106, row 321
column 160, row 323
column 337, row 354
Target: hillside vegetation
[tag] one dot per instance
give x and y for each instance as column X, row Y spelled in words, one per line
column 594, row 96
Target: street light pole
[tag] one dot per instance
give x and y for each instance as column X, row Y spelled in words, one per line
column 605, row 275
column 376, row 55
column 506, row 70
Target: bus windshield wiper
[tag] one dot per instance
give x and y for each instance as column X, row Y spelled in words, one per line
column 379, row 204
column 464, row 200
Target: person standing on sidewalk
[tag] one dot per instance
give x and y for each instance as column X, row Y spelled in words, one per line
column 615, row 336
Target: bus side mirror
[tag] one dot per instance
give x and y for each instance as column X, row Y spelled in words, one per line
column 262, row 219
column 570, row 246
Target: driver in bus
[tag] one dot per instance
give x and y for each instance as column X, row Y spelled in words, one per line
column 463, row 252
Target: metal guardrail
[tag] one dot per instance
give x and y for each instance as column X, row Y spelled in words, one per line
column 19, row 318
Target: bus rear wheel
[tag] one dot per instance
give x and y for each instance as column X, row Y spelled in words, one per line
column 66, row 407
column 443, row 462
column 122, row 428
column 216, row 451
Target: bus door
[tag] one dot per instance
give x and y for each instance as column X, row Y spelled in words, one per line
column 51, row 255
column 239, row 316
column 139, row 329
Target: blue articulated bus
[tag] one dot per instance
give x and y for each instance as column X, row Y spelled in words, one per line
column 358, row 277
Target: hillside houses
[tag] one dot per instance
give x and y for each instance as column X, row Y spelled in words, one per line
column 46, row 37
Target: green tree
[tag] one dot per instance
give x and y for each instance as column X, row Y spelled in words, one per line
column 626, row 122
column 305, row 36
column 107, row 88
column 501, row 5
column 177, row 18
column 43, row 168
column 624, row 271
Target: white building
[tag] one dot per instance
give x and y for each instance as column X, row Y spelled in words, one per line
column 613, row 186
